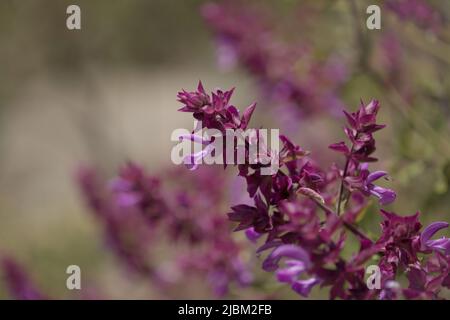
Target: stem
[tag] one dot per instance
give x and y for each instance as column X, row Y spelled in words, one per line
column 341, row 187
column 349, row 226
column 355, row 230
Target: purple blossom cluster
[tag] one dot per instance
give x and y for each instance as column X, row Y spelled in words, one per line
column 305, row 215
column 289, row 75
column 420, row 12
column 137, row 212
column 301, row 217
column 18, row 283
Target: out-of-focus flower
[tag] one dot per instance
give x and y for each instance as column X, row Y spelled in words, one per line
column 120, row 208
column 420, row 12
column 252, row 235
column 135, row 209
column 18, row 282
column 245, row 35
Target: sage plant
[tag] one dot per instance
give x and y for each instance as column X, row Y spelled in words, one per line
column 306, row 214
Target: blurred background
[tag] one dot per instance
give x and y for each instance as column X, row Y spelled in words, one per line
column 106, row 94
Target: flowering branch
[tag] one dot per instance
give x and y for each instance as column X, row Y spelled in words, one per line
column 296, row 233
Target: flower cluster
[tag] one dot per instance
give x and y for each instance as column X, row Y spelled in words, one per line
column 356, row 176
column 136, row 211
column 18, row 282
column 418, row 11
column 293, row 210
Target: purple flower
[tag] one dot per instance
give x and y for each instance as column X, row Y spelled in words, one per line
column 364, row 183
column 192, row 161
column 194, row 101
column 286, row 251
column 135, row 207
column 399, row 228
column 399, row 241
column 297, row 263
column 442, row 244
column 287, row 208
column 390, row 291
column 418, row 11
column 303, row 287
column 361, row 125
column 134, row 189
column 126, row 207
column 18, row 282
column 252, row 235
column 214, row 110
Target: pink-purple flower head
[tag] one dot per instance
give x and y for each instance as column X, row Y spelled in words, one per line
column 361, row 125
column 286, row 206
column 214, row 110
column 364, row 119
column 364, row 183
column 195, row 101
column 18, row 282
column 399, row 228
column 442, row 244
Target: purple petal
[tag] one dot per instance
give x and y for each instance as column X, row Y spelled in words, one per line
column 350, row 118
column 339, row 147
column 248, row 114
column 268, row 245
column 440, row 244
column 372, row 107
column 429, row 231
column 252, row 235
column 375, row 176
column 200, row 87
column 290, row 273
column 120, row 185
column 128, row 199
column 288, row 251
column 303, row 287
column 193, row 160
column 384, row 195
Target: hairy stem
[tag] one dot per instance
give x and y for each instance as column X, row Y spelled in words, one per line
column 341, row 187
column 352, row 228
